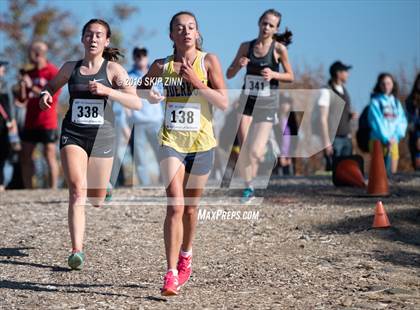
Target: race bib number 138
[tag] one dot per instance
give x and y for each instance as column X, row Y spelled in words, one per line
column 183, row 116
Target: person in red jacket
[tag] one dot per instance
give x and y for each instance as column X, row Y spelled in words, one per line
column 40, row 126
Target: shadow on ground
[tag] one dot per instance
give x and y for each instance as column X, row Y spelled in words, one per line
column 405, row 229
column 53, row 268
column 75, row 288
column 55, row 287
column 10, row 252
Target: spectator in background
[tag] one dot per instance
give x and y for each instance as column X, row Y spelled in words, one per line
column 328, row 104
column 122, row 136
column 146, row 122
column 9, row 138
column 18, row 91
column 387, row 119
column 284, row 130
column 40, row 126
column 413, row 115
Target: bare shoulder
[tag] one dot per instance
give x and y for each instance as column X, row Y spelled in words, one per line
column 211, row 57
column 67, row 68
column 280, row 48
column 246, row 44
column 211, row 60
column 159, row 63
column 115, row 67
column 244, row 47
column 70, row 64
column 156, row 69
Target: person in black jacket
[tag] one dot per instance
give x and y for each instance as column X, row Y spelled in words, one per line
column 413, row 116
column 9, row 139
column 341, row 143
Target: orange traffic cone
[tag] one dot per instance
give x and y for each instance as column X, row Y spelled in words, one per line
column 378, row 179
column 381, row 219
column 347, row 171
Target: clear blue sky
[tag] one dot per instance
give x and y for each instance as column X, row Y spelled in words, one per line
column 373, row 36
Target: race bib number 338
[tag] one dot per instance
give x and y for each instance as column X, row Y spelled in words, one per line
column 88, row 111
column 182, row 116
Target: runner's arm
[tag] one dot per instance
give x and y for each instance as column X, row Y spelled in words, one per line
column 55, row 84
column 145, row 87
column 217, row 94
column 126, row 94
column 61, row 78
column 287, row 75
column 239, row 61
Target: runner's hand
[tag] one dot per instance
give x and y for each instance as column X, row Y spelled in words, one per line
column 98, row 89
column 243, row 61
column 267, row 73
column 45, row 101
column 187, row 71
column 154, row 96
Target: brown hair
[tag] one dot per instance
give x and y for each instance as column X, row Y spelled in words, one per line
column 109, row 53
column 199, row 41
column 286, row 37
column 377, row 89
column 415, row 92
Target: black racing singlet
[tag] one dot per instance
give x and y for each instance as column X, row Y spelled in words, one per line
column 88, row 112
column 254, row 85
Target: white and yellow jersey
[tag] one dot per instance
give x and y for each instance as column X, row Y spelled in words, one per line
column 188, row 116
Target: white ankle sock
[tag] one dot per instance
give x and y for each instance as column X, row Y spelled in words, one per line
column 248, row 184
column 186, row 254
column 174, row 271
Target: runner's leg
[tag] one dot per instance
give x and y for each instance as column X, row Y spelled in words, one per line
column 74, row 161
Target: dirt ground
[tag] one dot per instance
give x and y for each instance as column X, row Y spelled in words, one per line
column 310, row 248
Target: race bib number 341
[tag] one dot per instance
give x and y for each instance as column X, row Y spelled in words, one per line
column 182, row 116
column 88, row 111
column 255, row 85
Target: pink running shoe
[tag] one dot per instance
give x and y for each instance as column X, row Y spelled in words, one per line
column 184, row 268
column 170, row 284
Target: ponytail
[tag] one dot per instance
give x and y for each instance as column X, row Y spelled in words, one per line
column 112, row 54
column 284, row 38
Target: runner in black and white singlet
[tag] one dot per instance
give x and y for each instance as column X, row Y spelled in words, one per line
column 259, row 98
column 87, row 138
column 89, row 122
column 258, row 88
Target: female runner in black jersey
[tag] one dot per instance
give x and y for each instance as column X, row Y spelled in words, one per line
column 259, row 98
column 87, row 137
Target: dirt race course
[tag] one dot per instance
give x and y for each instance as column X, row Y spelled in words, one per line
column 311, row 248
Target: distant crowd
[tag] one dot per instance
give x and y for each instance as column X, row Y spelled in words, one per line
column 23, row 125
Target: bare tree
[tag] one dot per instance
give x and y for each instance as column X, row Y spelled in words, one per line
column 25, row 21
